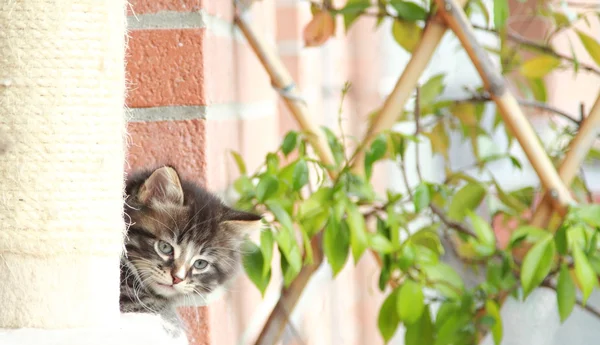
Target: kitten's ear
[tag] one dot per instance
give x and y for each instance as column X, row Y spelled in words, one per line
column 241, row 222
column 162, row 186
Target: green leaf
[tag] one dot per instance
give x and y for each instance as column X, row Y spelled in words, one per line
column 289, row 142
column 300, row 174
column 560, row 240
column 280, row 214
column 289, row 272
column 420, row 332
column 447, row 310
column 375, row 153
column 408, row 254
column 565, row 293
column 267, row 187
column 388, row 320
column 560, row 19
column 539, row 66
column 444, row 279
column 449, row 330
column 537, row 264
column 358, row 231
column 575, row 59
column 425, row 255
column 308, row 250
column 483, row 230
column 291, row 258
column 336, row 244
column 538, row 89
column 352, row 11
column 334, row 144
column 428, row 238
column 410, row 302
column 590, row 214
column 398, row 144
column 239, row 162
column 508, row 199
column 313, row 212
column 380, row 243
column 253, row 263
column 501, row 13
column 527, row 233
column 431, row 89
column 422, row 197
column 584, row 272
column 491, row 307
column 409, row 10
column 407, row 34
column 272, row 163
column 467, row 198
column 243, row 185
column 525, row 195
column 266, row 246
column 591, row 45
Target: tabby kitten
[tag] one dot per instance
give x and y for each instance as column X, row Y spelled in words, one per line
column 182, row 243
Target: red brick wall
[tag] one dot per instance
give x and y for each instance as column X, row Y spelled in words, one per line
column 167, row 96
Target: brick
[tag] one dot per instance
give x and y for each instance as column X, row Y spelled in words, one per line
column 219, row 8
column 155, row 6
column 291, row 21
column 233, row 72
column 180, row 143
column 263, row 17
column 239, row 135
column 237, row 315
column 222, row 135
column 257, row 137
column 165, row 67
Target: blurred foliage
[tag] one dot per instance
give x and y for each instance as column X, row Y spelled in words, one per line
column 294, row 189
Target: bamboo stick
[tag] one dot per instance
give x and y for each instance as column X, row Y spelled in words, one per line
column 394, row 104
column 282, row 80
column 279, row 317
column 576, row 153
column 507, row 104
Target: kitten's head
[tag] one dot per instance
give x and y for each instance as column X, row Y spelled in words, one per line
column 182, row 240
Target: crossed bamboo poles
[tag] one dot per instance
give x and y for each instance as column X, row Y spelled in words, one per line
column 450, row 15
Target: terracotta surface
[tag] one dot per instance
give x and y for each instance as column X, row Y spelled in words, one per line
column 292, row 27
column 180, row 143
column 165, row 67
column 219, row 8
column 154, row 6
column 233, row 73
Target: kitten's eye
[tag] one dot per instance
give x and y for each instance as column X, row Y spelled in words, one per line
column 200, row 264
column 165, row 248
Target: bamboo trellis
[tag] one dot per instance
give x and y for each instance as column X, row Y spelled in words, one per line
column 450, row 15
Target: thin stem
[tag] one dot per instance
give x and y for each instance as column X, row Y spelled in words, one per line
column 460, row 227
column 582, row 4
column 525, row 103
column 340, row 124
column 541, row 47
column 588, row 192
column 418, row 131
column 587, row 307
column 405, row 178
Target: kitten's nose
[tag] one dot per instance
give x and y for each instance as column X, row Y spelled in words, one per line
column 176, row 279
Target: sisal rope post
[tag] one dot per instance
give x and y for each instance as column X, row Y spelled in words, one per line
column 61, row 161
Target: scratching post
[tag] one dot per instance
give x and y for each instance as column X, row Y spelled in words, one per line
column 61, row 162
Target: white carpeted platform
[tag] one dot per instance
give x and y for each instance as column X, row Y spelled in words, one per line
column 130, row 329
